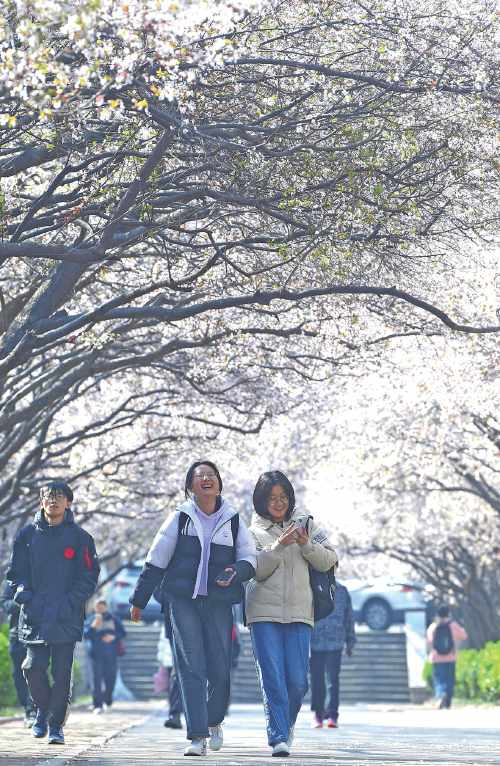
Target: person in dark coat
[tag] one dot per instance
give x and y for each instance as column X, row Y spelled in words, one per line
column 17, row 652
column 54, row 570
column 104, row 631
column 330, row 636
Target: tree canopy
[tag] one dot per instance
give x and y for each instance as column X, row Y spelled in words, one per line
column 215, row 215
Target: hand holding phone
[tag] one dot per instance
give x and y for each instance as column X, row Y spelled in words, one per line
column 289, row 536
column 226, row 577
column 302, row 532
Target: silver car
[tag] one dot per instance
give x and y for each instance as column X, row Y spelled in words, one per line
column 380, row 603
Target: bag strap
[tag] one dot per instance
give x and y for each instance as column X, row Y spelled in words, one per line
column 182, row 523
column 235, row 526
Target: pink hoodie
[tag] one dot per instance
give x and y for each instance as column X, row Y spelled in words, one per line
column 458, row 634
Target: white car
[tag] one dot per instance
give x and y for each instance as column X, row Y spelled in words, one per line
column 380, row 603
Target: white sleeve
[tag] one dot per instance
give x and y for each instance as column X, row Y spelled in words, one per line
column 163, row 546
column 245, row 545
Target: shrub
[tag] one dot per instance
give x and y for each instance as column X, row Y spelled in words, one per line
column 78, row 680
column 8, row 694
column 427, row 674
column 488, row 676
column 466, row 674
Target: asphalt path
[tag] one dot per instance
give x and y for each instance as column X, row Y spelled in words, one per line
column 132, row 734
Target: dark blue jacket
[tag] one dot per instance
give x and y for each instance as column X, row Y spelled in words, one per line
column 54, row 570
column 337, row 629
column 112, row 626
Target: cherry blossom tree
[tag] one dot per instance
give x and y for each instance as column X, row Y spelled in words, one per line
column 207, row 208
column 418, row 472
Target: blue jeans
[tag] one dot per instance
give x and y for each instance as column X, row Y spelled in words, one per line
column 201, row 638
column 282, row 656
column 443, row 679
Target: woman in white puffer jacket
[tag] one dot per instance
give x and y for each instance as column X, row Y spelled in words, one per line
column 279, row 602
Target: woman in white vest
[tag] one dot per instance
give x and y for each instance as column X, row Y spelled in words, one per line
column 202, row 553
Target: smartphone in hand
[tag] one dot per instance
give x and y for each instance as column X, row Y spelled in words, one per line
column 226, row 576
column 302, row 523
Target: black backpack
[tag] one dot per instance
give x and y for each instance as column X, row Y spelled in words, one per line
column 442, row 640
column 323, row 591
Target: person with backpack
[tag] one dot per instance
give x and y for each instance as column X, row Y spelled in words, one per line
column 443, row 636
column 202, row 553
column 330, row 636
column 280, row 604
column 54, row 570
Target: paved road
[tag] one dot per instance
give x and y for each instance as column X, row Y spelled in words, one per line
column 374, row 735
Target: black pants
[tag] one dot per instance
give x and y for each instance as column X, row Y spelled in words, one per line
column 104, row 669
column 325, row 663
column 17, row 652
column 52, row 700
column 202, row 654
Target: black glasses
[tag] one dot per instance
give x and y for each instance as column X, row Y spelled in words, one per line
column 205, row 475
column 52, row 494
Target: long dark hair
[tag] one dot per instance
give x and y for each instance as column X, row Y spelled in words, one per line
column 263, row 489
column 192, row 468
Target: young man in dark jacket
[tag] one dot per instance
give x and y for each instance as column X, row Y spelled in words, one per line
column 54, row 570
column 17, row 652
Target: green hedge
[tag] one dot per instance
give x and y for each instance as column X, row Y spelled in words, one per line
column 8, row 694
column 478, row 673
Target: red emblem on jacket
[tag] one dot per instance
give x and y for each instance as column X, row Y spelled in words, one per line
column 69, row 553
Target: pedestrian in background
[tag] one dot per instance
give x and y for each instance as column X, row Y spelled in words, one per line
column 443, row 637
column 279, row 602
column 235, row 652
column 104, row 632
column 165, row 658
column 202, row 553
column 329, row 637
column 17, row 652
column 54, row 570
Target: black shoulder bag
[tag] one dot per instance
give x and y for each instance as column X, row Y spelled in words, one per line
column 323, row 590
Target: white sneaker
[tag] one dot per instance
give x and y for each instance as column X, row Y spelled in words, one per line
column 281, row 749
column 97, row 710
column 291, row 733
column 197, row 747
column 216, row 737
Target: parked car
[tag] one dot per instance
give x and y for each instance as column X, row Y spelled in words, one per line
column 121, row 588
column 380, row 603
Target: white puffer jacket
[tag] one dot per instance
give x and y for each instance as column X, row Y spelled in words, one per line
column 280, row 591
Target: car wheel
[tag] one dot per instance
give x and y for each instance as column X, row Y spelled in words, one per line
column 377, row 614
